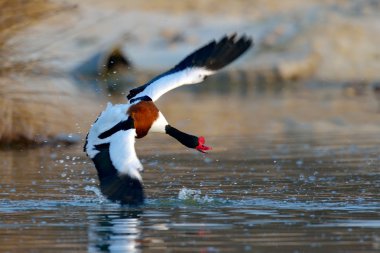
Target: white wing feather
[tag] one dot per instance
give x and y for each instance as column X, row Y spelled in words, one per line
column 166, row 83
column 123, row 154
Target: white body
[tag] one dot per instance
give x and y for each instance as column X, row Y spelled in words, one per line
column 122, row 143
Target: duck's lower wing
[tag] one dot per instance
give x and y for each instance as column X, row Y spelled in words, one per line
column 119, row 169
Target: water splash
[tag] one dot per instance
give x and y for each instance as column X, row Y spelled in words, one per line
column 193, row 196
column 99, row 196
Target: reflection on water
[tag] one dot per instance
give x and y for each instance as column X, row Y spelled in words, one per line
column 293, row 193
column 115, row 231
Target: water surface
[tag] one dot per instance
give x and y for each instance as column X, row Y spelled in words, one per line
column 277, row 193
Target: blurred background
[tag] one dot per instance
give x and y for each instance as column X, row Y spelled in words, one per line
column 292, row 123
column 314, row 67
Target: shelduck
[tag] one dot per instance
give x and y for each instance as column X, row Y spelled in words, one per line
column 111, row 139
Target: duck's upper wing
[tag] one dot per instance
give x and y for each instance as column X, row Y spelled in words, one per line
column 195, row 67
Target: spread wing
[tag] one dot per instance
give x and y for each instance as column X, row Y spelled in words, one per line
column 195, row 67
column 119, row 168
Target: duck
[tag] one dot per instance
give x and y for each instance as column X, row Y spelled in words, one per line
column 110, row 142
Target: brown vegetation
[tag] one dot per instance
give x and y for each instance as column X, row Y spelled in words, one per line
column 34, row 104
column 14, row 16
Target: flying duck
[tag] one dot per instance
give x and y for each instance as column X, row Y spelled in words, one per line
column 111, row 138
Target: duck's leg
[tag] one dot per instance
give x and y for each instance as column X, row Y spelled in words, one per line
column 187, row 140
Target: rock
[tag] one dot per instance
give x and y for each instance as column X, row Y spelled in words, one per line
column 108, row 70
column 376, row 92
column 297, row 68
column 172, row 36
column 355, row 88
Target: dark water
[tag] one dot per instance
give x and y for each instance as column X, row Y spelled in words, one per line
column 295, row 193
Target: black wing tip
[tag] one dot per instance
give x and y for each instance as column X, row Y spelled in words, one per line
column 217, row 54
column 228, row 49
column 134, row 92
column 233, row 38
